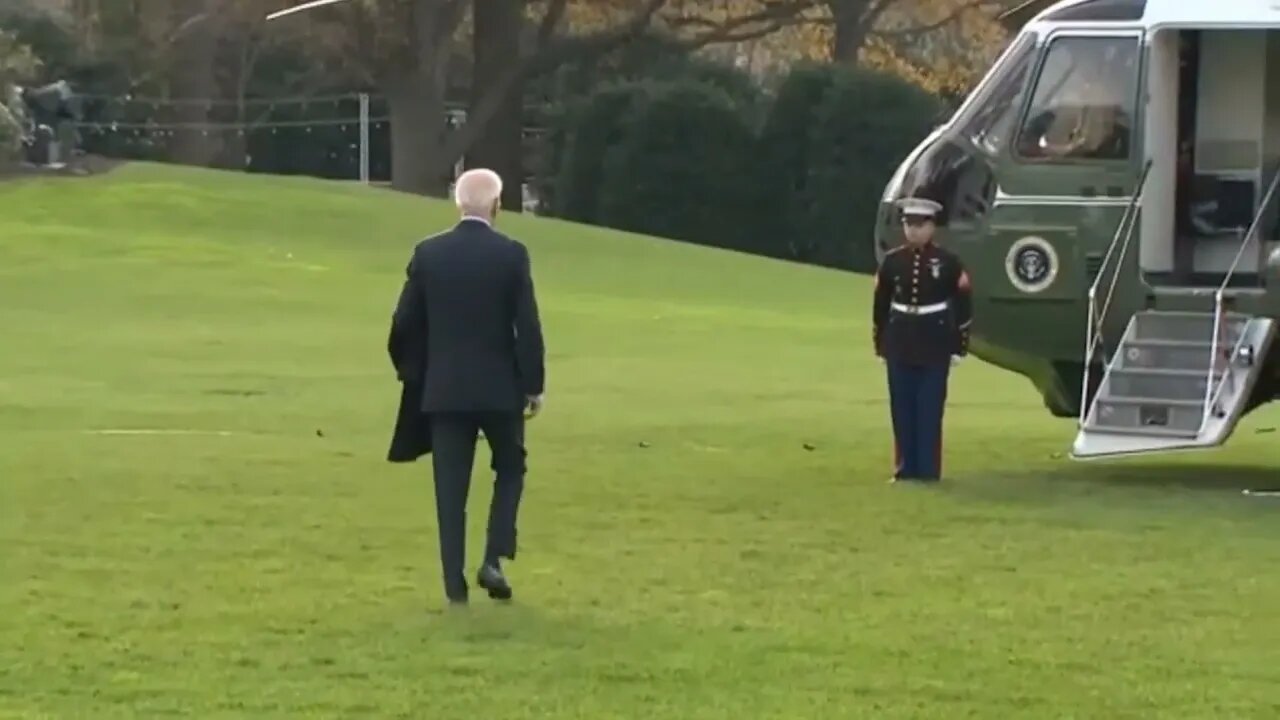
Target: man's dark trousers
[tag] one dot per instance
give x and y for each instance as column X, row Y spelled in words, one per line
column 917, row 399
column 454, row 437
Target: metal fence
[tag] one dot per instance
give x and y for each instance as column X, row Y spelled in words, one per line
column 345, row 136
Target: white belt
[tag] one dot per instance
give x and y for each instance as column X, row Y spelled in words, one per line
column 920, row 309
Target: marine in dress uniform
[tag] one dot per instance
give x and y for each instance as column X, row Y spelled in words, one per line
column 922, row 313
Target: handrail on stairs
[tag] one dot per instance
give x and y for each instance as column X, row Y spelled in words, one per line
column 1213, row 389
column 1095, row 327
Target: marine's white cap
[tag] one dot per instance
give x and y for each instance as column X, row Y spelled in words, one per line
column 919, row 207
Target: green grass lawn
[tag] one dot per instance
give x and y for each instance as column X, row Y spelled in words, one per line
column 683, row 554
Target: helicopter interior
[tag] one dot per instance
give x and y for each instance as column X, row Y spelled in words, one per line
column 1213, row 132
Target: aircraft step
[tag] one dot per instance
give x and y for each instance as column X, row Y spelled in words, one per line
column 1187, row 326
column 1142, row 432
column 1153, row 396
column 1157, row 416
column 1167, row 354
column 1168, row 384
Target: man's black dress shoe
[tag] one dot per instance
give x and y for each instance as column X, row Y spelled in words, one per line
column 492, row 580
column 456, row 590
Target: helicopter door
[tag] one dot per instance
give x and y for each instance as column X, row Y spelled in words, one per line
column 1073, row 162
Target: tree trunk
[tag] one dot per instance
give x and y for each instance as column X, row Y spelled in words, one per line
column 193, row 55
column 416, row 105
column 233, row 148
column 500, row 146
column 84, row 17
column 414, row 86
column 850, row 31
column 235, row 144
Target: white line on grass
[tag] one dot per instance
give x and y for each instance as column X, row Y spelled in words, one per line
column 122, row 431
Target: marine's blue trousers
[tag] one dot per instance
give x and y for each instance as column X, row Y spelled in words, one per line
column 917, row 398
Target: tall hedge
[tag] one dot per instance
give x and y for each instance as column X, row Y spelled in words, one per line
column 589, row 101
column 741, row 88
column 685, row 168
column 652, row 57
column 588, row 130
column 866, row 124
column 785, row 153
column 17, row 64
column 547, row 152
column 688, row 154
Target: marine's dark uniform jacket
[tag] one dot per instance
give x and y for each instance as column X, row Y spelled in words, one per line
column 921, row 278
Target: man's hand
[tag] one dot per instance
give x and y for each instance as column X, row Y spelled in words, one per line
column 532, row 406
column 955, row 360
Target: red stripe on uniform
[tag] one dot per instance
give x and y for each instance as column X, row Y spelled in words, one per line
column 939, row 449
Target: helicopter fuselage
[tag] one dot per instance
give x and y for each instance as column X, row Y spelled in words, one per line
column 1124, row 147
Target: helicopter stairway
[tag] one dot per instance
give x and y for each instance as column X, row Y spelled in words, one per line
column 1177, row 381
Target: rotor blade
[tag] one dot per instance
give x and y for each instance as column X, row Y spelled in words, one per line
column 300, row 8
column 1015, row 18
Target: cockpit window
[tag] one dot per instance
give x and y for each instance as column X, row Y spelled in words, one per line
column 1084, row 102
column 991, row 122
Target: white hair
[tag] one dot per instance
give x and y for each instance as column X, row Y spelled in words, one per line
column 477, row 190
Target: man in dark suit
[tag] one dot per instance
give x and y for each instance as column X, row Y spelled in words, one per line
column 467, row 324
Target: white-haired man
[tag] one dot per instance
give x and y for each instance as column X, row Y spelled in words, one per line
column 467, row 343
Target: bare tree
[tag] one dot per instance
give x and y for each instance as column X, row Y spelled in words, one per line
column 407, row 48
column 193, row 78
column 853, row 23
column 498, row 26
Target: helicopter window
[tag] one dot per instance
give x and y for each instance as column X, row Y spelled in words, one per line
column 992, row 120
column 1084, row 101
column 953, row 175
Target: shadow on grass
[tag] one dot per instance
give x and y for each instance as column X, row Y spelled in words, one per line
column 1199, row 475
column 485, row 622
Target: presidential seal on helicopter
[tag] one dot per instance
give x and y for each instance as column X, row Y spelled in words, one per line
column 1031, row 264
